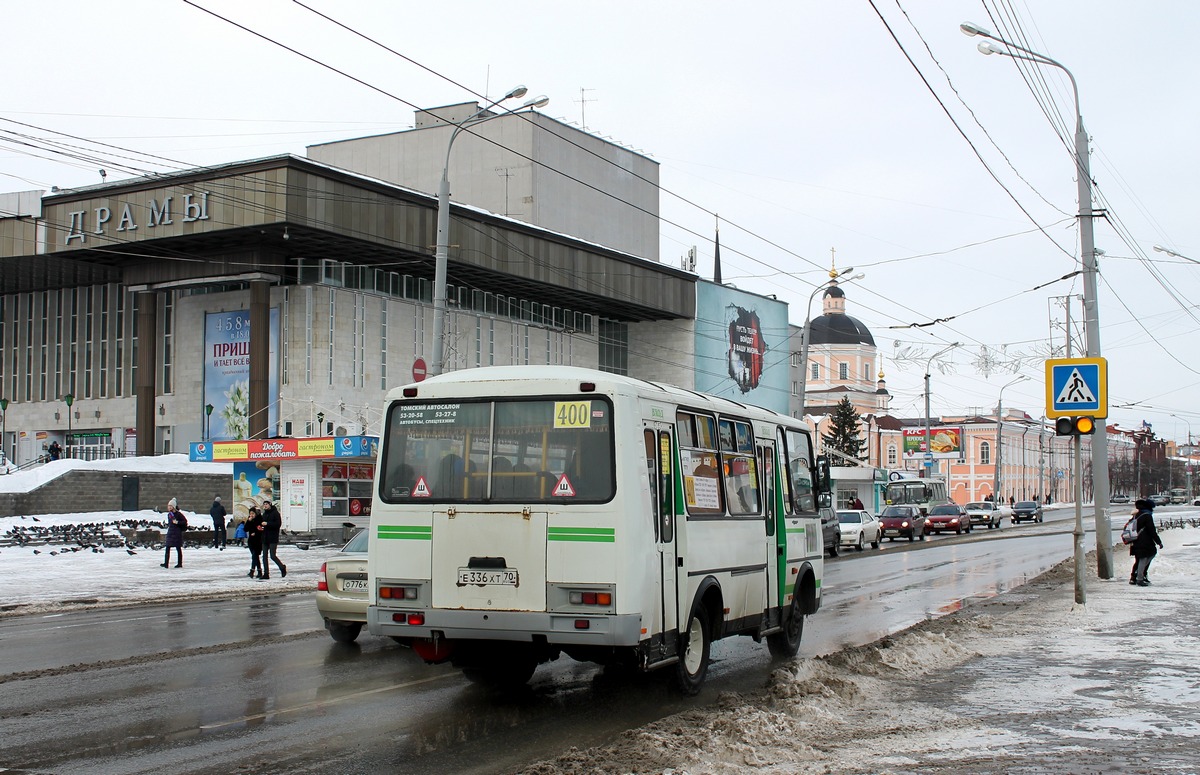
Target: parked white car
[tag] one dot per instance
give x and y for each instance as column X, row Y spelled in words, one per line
column 859, row 528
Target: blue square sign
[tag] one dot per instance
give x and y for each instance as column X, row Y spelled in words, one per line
column 1077, row 386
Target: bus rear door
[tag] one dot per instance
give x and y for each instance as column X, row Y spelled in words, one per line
column 660, row 469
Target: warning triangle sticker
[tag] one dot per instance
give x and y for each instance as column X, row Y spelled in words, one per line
column 1075, row 390
column 422, row 489
column 563, row 488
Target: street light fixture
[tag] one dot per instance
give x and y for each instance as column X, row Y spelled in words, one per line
column 806, row 330
column 928, row 457
column 998, row 478
column 1091, row 311
column 208, row 410
column 441, row 256
column 70, row 399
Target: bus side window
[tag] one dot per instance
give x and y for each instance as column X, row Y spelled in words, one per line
column 652, row 478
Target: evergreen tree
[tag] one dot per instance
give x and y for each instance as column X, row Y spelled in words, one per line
column 844, row 432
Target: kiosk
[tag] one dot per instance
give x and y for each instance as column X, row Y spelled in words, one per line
column 318, row 484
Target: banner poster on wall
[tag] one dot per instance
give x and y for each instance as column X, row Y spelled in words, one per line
column 944, row 443
column 254, row 483
column 741, row 346
column 227, row 374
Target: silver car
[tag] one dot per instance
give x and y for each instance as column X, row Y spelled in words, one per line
column 342, row 592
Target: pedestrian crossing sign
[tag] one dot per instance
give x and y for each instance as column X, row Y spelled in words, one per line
column 1077, row 386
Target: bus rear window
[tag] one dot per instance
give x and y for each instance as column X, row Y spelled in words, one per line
column 542, row 450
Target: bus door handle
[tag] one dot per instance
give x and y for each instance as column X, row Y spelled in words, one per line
column 679, row 562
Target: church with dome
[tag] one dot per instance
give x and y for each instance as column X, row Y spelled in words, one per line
column 843, row 362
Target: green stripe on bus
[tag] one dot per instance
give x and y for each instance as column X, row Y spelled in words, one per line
column 406, row 532
column 795, row 530
column 595, row 534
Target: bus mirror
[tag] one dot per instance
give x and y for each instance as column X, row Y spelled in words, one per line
column 823, row 479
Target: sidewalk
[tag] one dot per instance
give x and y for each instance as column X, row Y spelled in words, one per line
column 1026, row 682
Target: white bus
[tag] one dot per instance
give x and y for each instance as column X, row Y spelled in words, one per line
column 524, row 512
column 904, row 489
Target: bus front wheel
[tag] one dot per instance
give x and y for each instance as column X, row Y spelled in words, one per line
column 692, row 667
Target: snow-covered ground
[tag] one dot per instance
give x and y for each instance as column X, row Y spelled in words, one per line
column 1027, row 682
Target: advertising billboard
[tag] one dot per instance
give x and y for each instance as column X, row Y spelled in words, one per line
column 945, row 442
column 227, row 374
column 742, row 346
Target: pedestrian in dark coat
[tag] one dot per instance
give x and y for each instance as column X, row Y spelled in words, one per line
column 176, row 525
column 1145, row 547
column 254, row 533
column 217, row 512
column 272, row 522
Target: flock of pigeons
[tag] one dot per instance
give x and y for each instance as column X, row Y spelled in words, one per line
column 127, row 534
column 89, row 536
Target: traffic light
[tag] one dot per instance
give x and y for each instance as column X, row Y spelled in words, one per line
column 1075, row 426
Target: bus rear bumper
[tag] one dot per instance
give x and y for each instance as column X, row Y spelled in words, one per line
column 565, row 629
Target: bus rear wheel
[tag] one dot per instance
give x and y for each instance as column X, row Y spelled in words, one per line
column 785, row 644
column 692, row 667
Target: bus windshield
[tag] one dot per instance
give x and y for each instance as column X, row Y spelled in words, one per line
column 536, row 450
column 913, row 493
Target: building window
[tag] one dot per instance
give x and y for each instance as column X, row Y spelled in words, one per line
column 891, row 456
column 168, row 343
column 614, row 346
column 796, row 359
column 795, row 388
column 815, row 371
column 985, row 453
column 843, row 371
column 867, row 371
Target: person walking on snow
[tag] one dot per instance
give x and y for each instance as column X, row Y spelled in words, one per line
column 217, row 512
column 1146, row 545
column 254, row 534
column 272, row 522
column 176, row 525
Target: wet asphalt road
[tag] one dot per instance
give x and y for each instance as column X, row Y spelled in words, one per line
column 258, row 687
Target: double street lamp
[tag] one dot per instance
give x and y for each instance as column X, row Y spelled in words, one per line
column 806, row 330
column 1091, row 313
column 441, row 256
column 998, row 479
column 929, row 363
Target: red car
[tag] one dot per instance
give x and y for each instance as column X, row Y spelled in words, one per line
column 948, row 516
column 902, row 522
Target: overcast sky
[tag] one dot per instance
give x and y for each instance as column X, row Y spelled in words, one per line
column 803, row 125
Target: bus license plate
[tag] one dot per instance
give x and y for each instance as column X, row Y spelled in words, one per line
column 484, row 577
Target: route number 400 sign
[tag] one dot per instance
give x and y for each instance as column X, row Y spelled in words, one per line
column 572, row 414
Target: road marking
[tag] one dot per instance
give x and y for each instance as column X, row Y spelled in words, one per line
column 322, row 703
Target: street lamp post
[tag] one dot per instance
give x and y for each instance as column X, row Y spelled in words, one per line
column 928, row 364
column 208, row 410
column 441, row 256
column 1091, row 311
column 3, row 430
column 70, row 399
column 1188, row 466
column 805, row 331
column 998, row 478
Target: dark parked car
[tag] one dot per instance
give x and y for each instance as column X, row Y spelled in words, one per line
column 831, row 531
column 948, row 516
column 903, row 522
column 1026, row 511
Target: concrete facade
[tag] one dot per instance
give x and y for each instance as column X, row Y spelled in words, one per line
column 523, row 165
